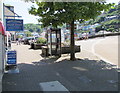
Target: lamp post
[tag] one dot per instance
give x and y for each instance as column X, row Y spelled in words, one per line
column 103, row 31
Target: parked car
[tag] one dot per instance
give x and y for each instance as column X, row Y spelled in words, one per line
column 29, row 40
column 83, row 36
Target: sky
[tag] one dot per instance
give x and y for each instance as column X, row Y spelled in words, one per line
column 21, row 8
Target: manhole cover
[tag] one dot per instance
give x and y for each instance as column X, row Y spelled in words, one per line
column 53, row 86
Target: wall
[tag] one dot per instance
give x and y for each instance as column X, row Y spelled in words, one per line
column 1, row 62
column 1, row 46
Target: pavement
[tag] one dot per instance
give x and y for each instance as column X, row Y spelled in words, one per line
column 87, row 73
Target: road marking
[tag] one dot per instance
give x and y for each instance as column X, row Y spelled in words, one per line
column 53, row 86
column 93, row 51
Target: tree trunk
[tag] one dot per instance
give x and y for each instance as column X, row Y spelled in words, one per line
column 72, row 42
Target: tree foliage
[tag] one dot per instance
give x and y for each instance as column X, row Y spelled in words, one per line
column 112, row 22
column 41, row 40
column 32, row 27
column 28, row 33
column 114, row 11
column 56, row 13
column 108, row 19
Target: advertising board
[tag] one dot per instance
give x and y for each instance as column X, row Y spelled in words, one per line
column 11, row 57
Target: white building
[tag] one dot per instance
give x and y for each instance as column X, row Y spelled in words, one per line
column 2, row 47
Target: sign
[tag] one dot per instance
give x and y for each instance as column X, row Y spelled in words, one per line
column 2, row 30
column 11, row 57
column 14, row 25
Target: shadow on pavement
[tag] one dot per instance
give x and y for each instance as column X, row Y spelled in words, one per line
column 79, row 75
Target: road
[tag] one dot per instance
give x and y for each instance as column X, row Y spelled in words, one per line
column 106, row 48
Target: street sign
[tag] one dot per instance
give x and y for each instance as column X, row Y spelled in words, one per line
column 14, row 25
column 11, row 57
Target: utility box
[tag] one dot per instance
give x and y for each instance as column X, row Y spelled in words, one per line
column 45, row 51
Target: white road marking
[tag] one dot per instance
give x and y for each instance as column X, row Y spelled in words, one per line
column 93, row 51
column 91, row 47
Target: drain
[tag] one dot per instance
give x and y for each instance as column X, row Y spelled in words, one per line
column 53, row 86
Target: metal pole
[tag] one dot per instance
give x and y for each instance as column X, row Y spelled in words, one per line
column 103, row 30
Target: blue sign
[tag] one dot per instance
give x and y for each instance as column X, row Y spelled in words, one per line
column 11, row 57
column 14, row 25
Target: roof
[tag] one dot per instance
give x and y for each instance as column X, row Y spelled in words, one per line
column 9, row 12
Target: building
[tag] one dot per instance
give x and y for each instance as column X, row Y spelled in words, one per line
column 1, row 44
column 10, row 14
column 6, row 12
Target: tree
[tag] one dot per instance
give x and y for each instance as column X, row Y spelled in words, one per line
column 57, row 13
column 109, row 18
column 28, row 33
column 32, row 27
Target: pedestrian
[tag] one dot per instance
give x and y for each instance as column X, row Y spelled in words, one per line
column 9, row 43
column 86, row 36
column 17, row 41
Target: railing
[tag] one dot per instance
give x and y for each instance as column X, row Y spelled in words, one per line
column 106, row 34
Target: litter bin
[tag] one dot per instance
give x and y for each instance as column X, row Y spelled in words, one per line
column 32, row 45
column 45, row 51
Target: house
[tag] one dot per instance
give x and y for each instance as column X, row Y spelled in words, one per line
column 10, row 14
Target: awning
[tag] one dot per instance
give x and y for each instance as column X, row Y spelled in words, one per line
column 2, row 30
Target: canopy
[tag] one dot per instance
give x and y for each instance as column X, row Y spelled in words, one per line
column 2, row 30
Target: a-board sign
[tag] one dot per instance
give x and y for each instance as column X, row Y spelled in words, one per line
column 11, row 57
column 14, row 25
